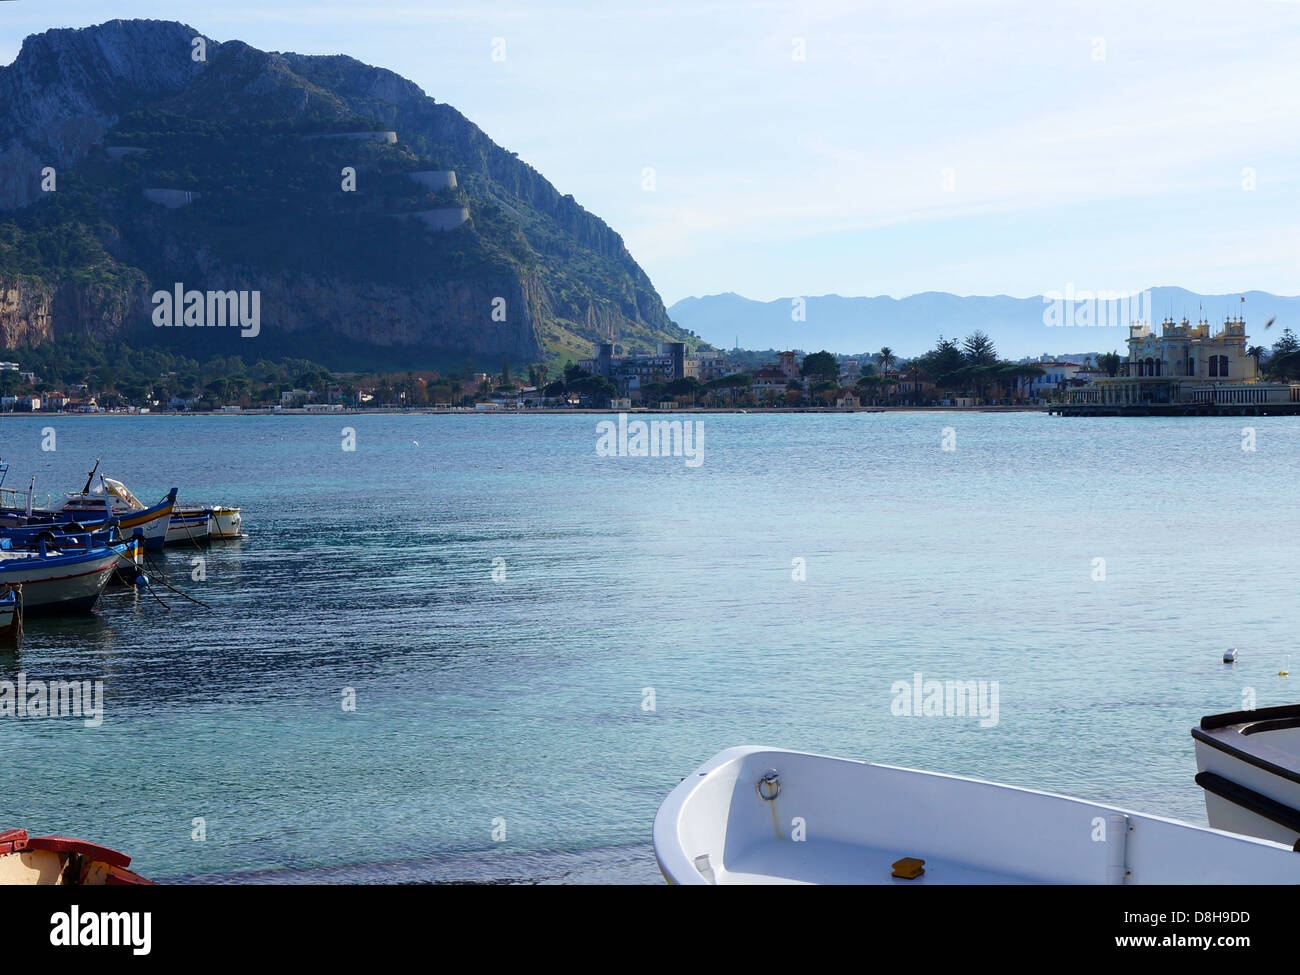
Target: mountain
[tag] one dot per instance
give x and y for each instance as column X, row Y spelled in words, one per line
column 220, row 167
column 910, row 326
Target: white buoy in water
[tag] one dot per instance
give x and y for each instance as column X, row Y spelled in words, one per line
column 1230, row 656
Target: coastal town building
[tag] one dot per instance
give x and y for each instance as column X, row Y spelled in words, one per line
column 776, row 378
column 911, row 387
column 1186, row 365
column 768, row 379
column 631, row 373
column 1055, row 376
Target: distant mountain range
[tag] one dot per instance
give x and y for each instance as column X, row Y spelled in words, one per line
column 381, row 229
column 910, row 326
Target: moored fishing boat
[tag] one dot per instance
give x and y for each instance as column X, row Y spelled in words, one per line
column 754, row 815
column 227, row 521
column 66, row 536
column 58, row 580
column 224, row 521
column 1248, row 764
column 188, row 527
column 50, row 860
column 116, row 502
column 79, row 513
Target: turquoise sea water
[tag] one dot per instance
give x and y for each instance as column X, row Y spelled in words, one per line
column 521, row 699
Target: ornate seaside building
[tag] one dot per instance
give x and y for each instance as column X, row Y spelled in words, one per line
column 1188, row 366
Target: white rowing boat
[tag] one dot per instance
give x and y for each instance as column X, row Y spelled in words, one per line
column 754, row 815
column 227, row 521
column 224, row 521
column 1248, row 764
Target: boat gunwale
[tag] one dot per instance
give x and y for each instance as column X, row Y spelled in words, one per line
column 677, row 867
column 1245, row 755
column 1217, row 722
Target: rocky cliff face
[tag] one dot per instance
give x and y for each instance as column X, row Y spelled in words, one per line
column 25, row 312
column 66, row 89
column 29, row 308
column 71, row 92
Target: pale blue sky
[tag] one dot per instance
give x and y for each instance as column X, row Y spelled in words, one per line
column 1095, row 143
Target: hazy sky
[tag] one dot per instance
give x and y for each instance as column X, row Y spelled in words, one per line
column 979, row 148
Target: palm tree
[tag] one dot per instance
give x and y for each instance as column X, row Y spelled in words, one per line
column 887, row 358
column 916, row 374
column 1257, row 352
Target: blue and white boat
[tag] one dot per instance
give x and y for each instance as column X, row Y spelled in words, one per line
column 93, row 509
column 189, row 527
column 69, row 537
column 58, row 580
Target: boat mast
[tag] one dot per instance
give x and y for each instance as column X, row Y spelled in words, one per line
column 90, row 477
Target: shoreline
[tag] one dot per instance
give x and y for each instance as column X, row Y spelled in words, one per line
column 470, row 411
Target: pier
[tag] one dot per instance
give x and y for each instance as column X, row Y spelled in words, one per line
column 1174, row 409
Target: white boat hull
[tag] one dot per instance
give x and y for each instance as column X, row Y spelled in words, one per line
column 59, row 588
column 187, row 529
column 836, row 821
column 227, row 522
column 1249, row 770
column 224, row 522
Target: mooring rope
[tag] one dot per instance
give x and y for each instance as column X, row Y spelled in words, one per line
column 187, row 532
column 17, row 589
column 147, row 584
column 163, row 576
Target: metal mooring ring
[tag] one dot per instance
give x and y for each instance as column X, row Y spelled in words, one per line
column 769, row 786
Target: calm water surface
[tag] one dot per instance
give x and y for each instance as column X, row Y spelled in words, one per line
column 521, row 699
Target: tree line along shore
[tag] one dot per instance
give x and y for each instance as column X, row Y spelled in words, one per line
column 82, row 375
